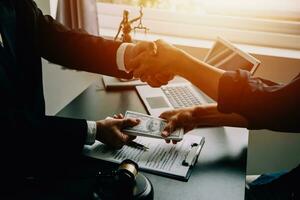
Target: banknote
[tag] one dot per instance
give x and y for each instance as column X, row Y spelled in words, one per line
column 150, row 127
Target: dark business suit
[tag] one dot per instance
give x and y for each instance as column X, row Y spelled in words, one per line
column 33, row 144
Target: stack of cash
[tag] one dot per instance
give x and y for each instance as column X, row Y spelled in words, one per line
column 150, row 127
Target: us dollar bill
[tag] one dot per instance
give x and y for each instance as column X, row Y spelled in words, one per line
column 150, row 127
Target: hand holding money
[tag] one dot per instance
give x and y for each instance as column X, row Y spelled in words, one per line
column 150, row 127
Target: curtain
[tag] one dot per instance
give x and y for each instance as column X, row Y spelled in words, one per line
column 78, row 14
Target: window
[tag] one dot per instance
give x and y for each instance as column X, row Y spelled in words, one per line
column 273, row 23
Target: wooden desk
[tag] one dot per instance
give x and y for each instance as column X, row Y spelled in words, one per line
column 221, row 170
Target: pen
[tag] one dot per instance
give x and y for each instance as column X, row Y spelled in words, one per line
column 137, row 145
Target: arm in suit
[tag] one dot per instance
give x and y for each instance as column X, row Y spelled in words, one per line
column 32, row 143
column 76, row 49
column 38, row 145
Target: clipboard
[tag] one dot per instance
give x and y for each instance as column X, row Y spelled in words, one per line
column 173, row 161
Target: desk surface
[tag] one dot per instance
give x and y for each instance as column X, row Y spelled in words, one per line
column 221, row 168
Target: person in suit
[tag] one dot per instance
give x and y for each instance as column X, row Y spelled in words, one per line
column 33, row 144
column 242, row 101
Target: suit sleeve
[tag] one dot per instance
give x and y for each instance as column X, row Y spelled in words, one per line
column 265, row 104
column 77, row 49
column 32, row 143
column 39, row 146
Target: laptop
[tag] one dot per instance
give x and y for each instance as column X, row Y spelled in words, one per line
column 223, row 55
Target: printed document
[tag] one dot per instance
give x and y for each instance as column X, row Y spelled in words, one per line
column 161, row 158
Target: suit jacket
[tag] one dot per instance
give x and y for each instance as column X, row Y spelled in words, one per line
column 33, row 144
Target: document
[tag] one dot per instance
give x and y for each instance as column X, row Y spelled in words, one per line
column 161, row 158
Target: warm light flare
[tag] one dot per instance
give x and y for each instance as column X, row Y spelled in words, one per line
column 274, row 9
column 270, row 9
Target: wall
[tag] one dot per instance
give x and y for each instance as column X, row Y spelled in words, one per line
column 44, row 5
column 272, row 151
column 61, row 85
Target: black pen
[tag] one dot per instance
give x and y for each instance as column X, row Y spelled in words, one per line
column 137, row 145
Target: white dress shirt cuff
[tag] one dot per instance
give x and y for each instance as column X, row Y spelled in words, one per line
column 1, row 41
column 121, row 56
column 91, row 132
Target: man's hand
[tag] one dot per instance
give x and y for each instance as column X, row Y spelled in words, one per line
column 192, row 117
column 159, row 67
column 137, row 55
column 206, row 115
column 179, row 118
column 158, row 79
column 133, row 50
column 109, row 131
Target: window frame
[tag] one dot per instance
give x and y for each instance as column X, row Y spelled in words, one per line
column 253, row 31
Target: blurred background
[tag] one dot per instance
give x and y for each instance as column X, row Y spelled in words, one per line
column 273, row 23
column 269, row 30
column 268, row 9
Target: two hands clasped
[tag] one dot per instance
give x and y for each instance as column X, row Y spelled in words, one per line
column 150, row 62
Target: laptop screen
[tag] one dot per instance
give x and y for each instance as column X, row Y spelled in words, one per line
column 226, row 56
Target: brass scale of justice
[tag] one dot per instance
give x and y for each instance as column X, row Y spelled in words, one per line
column 126, row 28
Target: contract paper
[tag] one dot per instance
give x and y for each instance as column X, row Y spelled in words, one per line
column 161, row 158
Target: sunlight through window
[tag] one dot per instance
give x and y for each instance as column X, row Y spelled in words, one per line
column 274, row 9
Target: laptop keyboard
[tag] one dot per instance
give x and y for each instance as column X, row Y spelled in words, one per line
column 181, row 96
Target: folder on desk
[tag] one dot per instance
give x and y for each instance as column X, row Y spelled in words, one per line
column 174, row 161
column 115, row 83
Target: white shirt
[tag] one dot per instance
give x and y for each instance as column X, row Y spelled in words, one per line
column 91, row 125
column 1, row 41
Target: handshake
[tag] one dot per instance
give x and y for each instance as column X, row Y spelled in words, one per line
column 153, row 62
